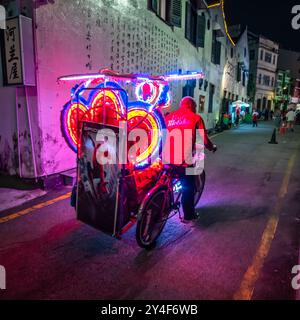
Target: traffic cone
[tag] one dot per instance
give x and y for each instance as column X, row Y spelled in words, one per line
column 273, row 138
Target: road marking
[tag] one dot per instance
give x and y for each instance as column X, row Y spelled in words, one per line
column 33, row 208
column 252, row 274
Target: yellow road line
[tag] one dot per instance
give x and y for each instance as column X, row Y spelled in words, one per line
column 252, row 274
column 33, row 208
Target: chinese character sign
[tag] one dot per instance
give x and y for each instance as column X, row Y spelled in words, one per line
column 13, row 59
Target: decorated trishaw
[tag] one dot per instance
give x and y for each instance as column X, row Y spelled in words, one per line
column 116, row 175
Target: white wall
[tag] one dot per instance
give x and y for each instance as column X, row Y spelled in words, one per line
column 84, row 36
column 8, row 131
column 266, row 69
column 229, row 77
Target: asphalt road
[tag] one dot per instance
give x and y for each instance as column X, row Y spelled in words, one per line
column 244, row 245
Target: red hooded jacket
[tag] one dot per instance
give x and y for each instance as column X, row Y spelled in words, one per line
column 186, row 118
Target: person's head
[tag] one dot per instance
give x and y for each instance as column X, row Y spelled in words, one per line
column 188, row 103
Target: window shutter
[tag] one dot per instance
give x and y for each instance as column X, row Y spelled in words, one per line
column 217, row 52
column 238, row 78
column 175, row 12
column 213, row 48
column 188, row 21
column 201, row 26
column 153, row 5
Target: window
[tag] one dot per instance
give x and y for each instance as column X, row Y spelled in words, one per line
column 208, row 24
column 169, row 11
column 259, row 79
column 200, row 32
column 258, row 104
column 190, row 23
column 195, row 26
column 269, row 104
column 205, row 85
column 252, row 54
column 266, row 80
column 239, row 70
column 211, row 98
column 268, row 57
column 201, row 103
column 189, row 88
column 245, row 52
column 274, row 59
column 231, row 52
column 216, row 49
column 264, row 102
column 201, row 81
column 261, row 54
column 244, row 79
column 272, row 82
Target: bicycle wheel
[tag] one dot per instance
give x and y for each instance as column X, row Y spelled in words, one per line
column 199, row 187
column 152, row 216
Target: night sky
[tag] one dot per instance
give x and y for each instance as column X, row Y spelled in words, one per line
column 267, row 17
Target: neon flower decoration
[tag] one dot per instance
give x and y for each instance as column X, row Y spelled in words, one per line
column 148, row 91
column 151, row 122
column 102, row 98
column 71, row 114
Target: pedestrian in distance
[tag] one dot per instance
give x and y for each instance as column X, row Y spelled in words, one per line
column 290, row 117
column 277, row 119
column 254, row 118
column 243, row 115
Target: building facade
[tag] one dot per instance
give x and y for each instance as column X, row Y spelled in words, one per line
column 84, row 36
column 290, row 60
column 236, row 71
column 263, row 67
column 283, row 89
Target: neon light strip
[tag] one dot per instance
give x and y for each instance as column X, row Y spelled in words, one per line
column 178, row 77
column 224, row 18
column 81, row 77
column 196, row 75
column 154, row 87
column 225, row 23
column 67, row 125
column 214, row 5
